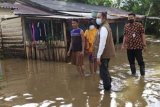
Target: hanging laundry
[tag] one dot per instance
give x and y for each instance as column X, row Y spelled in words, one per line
column 33, row 32
column 37, row 32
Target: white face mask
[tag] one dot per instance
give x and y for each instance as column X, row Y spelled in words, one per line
column 99, row 21
column 91, row 27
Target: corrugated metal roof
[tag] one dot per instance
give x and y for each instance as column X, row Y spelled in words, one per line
column 24, row 9
column 7, row 6
column 89, row 15
column 73, row 7
column 28, row 10
column 65, row 17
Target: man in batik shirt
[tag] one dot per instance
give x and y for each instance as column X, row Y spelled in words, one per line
column 134, row 41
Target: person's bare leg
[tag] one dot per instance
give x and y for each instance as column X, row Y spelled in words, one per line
column 95, row 67
column 80, row 71
column 91, row 66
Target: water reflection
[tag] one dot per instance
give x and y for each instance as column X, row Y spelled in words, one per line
column 1, row 73
column 29, row 83
column 152, row 94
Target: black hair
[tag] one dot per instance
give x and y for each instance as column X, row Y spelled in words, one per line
column 104, row 14
column 90, row 23
column 75, row 20
column 132, row 14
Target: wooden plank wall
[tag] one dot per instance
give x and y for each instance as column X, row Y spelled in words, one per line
column 12, row 38
column 51, row 50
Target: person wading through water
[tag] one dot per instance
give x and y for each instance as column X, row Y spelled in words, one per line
column 104, row 48
column 90, row 35
column 77, row 47
column 134, row 41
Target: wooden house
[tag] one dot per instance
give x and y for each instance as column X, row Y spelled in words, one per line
column 41, row 29
column 6, row 10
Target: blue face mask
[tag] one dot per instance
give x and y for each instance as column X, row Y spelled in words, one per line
column 99, row 21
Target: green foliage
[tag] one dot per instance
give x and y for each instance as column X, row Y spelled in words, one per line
column 100, row 2
column 155, row 10
column 143, row 7
column 137, row 6
column 94, row 2
column 153, row 27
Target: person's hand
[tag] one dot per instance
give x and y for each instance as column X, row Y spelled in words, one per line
column 82, row 53
column 122, row 47
column 68, row 53
column 98, row 61
column 145, row 49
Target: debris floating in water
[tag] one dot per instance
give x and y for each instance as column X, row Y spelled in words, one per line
column 10, row 98
column 27, row 94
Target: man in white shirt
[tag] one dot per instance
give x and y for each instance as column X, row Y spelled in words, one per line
column 104, row 48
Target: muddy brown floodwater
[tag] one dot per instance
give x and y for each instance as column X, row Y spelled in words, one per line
column 30, row 83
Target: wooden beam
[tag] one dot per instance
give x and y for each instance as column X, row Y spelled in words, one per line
column 65, row 41
column 117, row 34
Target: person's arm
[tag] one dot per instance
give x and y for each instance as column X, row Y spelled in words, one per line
column 83, row 41
column 124, row 42
column 143, row 36
column 70, row 47
column 124, row 38
column 144, row 39
column 144, row 42
column 102, row 42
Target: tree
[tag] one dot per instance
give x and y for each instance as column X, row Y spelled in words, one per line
column 94, row 2
column 143, row 7
column 100, row 2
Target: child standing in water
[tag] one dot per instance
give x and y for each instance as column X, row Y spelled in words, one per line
column 90, row 35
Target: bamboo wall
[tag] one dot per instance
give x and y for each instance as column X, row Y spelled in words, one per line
column 12, row 39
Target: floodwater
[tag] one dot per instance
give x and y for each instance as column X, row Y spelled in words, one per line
column 30, row 83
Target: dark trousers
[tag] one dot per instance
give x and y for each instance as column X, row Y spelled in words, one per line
column 136, row 54
column 104, row 74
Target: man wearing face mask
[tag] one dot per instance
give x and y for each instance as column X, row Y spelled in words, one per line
column 104, row 48
column 134, row 41
column 90, row 35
